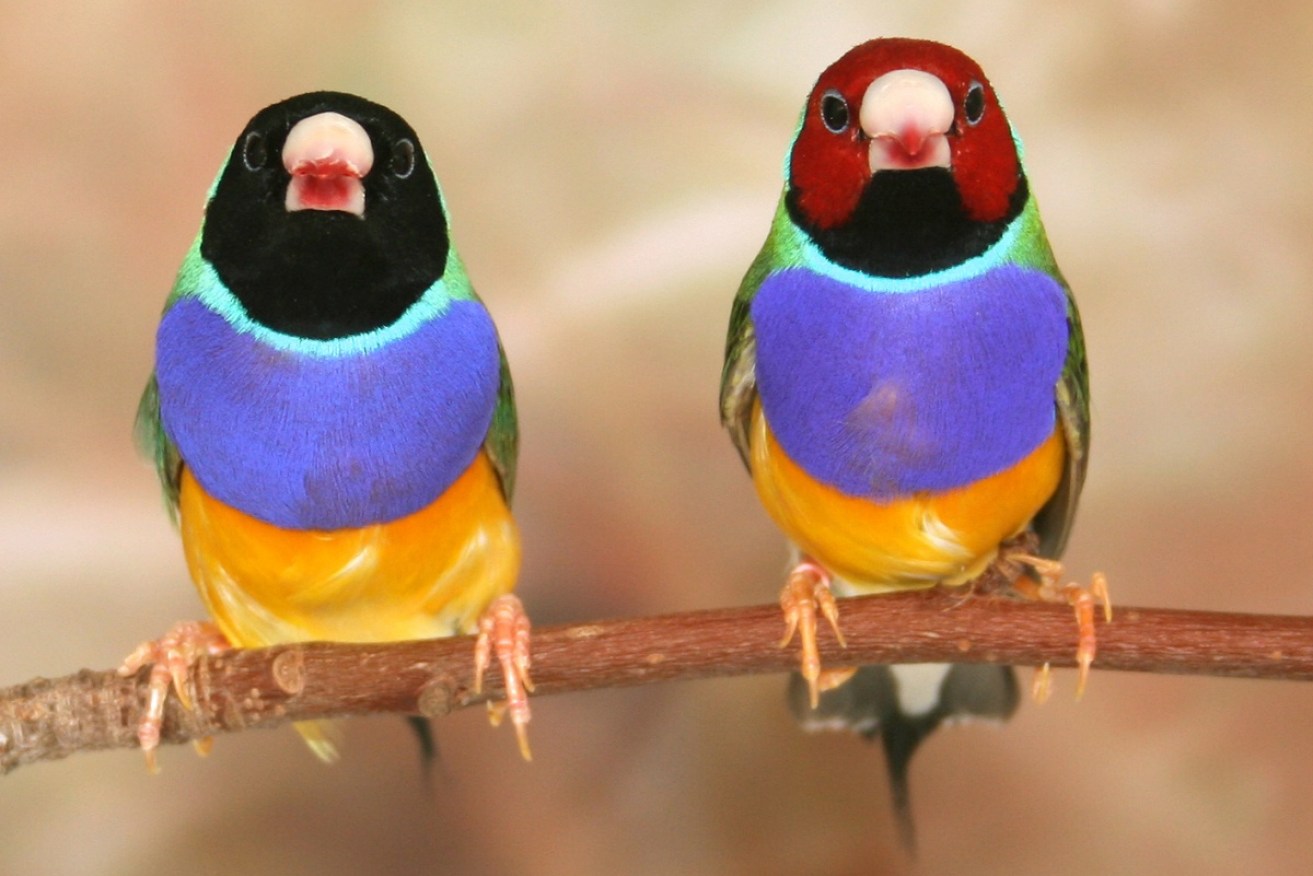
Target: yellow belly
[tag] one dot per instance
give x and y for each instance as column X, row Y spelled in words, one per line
column 908, row 543
column 428, row 574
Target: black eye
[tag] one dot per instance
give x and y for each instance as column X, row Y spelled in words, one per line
column 834, row 111
column 403, row 159
column 254, row 153
column 974, row 104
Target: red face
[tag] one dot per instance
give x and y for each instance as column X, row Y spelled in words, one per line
column 899, row 104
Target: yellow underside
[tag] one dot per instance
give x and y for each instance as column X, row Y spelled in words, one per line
column 908, row 543
column 428, row 574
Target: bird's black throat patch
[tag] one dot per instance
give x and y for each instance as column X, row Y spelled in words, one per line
column 322, row 275
column 908, row 223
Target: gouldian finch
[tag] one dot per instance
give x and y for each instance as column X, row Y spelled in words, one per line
column 905, row 373
column 331, row 413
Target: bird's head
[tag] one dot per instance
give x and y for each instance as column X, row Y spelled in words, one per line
column 327, row 219
column 897, row 107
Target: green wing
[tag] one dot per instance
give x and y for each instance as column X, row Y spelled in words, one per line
column 1053, row 522
column 503, row 441
column 738, row 379
column 148, row 430
column 156, row 446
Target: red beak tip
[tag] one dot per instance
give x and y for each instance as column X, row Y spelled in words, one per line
column 325, row 168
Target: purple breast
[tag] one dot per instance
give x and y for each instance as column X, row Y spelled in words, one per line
column 883, row 395
column 308, row 442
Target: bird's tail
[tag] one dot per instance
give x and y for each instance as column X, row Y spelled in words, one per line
column 428, row 743
column 903, row 704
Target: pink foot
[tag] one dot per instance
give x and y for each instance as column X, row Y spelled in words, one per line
column 1084, row 601
column 504, row 630
column 805, row 593
column 169, row 658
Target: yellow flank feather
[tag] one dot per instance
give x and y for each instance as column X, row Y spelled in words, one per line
column 908, row 543
column 428, row 574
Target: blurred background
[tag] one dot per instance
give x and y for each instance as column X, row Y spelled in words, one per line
column 611, row 168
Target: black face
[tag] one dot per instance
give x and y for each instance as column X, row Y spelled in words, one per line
column 908, row 223
column 320, row 274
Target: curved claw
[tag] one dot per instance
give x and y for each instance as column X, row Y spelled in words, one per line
column 1041, row 687
column 1083, row 601
column 170, row 658
column 504, row 630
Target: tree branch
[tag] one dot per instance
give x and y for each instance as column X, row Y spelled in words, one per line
column 47, row 719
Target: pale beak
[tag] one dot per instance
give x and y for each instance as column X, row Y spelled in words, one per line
column 907, row 114
column 327, row 155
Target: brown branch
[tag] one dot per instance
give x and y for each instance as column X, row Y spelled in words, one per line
column 50, row 719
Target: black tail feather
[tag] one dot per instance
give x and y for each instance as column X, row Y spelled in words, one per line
column 871, row 703
column 900, row 738
column 428, row 743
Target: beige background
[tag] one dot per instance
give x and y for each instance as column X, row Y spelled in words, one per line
column 612, row 168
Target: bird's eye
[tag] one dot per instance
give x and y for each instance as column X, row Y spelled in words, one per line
column 973, row 106
column 403, row 159
column 834, row 112
column 254, row 153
